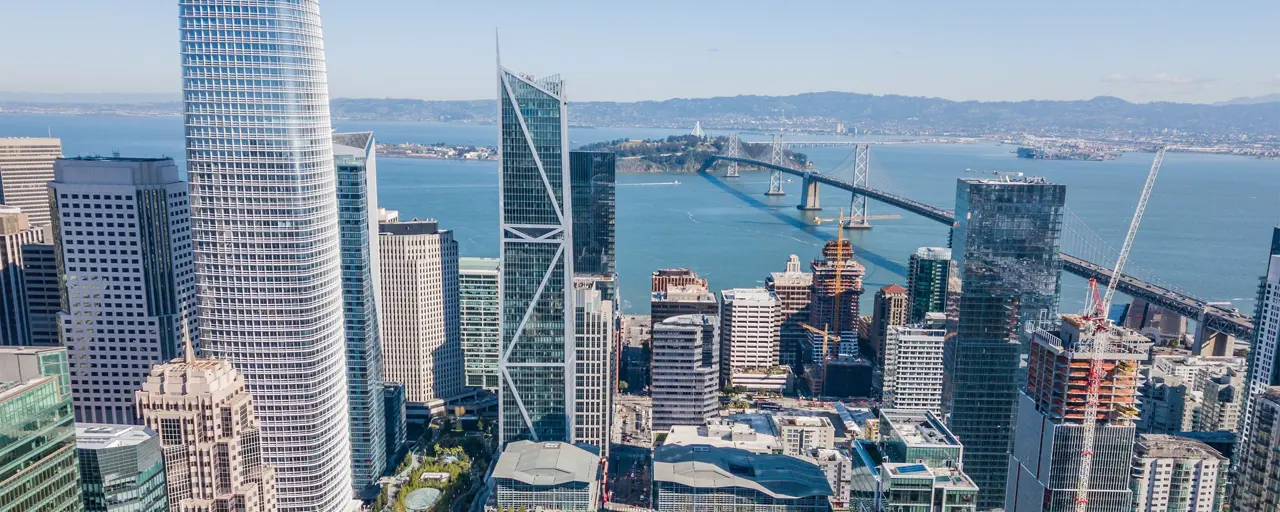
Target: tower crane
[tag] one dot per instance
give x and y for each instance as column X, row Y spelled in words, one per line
column 837, row 297
column 1094, row 338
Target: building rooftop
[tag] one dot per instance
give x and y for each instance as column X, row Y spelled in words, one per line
column 411, row 227
column 556, row 463
column 918, row 428
column 710, row 467
column 1162, row 446
column 358, row 140
column 942, row 477
column 114, row 158
column 1007, row 178
column 934, row 253
column 689, row 321
column 893, row 289
column 685, row 293
column 751, row 432
column 803, row 421
column 467, row 264
column 757, row 295
column 99, row 436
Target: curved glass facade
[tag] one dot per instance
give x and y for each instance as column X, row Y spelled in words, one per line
column 265, row 225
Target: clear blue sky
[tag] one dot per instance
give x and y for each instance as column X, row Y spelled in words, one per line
column 1194, row 51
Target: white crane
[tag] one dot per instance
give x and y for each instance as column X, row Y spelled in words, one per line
column 1094, row 339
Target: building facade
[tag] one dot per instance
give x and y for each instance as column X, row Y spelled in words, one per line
column 397, row 422
column 837, row 288
column 794, row 290
column 701, row 477
column 662, row 279
column 536, row 244
column 16, row 232
column 592, row 176
column 913, row 366
column 1264, row 358
column 26, row 167
column 479, row 319
column 686, row 371
column 422, row 339
column 41, row 470
column 121, row 468
column 928, row 270
column 258, row 231
column 890, row 310
column 593, row 357
column 124, row 242
column 43, row 291
column 546, row 476
column 750, row 324
column 1177, row 473
column 800, row 435
column 1257, row 481
column 1006, row 251
column 912, row 463
column 209, row 435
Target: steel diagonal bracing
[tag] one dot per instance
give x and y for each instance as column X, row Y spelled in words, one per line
column 533, row 149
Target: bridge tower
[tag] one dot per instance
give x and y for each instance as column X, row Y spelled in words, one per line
column 776, row 158
column 733, row 150
column 809, row 194
column 858, row 212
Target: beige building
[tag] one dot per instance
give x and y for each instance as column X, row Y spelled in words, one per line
column 750, row 324
column 891, row 308
column 1177, row 473
column 593, row 404
column 800, row 435
column 794, row 290
column 421, row 335
column 26, row 168
column 209, row 435
column 15, row 232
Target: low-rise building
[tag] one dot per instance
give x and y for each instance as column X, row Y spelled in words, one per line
column 915, row 465
column 121, row 468
column 839, row 469
column 701, row 477
column 750, row 432
column 555, row 476
column 1177, row 473
column 802, row 434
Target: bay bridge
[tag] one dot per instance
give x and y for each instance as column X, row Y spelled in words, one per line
column 1214, row 321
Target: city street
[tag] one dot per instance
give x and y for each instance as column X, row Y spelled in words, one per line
column 633, row 415
column 629, row 474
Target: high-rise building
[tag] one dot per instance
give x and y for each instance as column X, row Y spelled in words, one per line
column 749, row 329
column 396, row 421
column 594, row 335
column 594, row 205
column 837, row 287
column 667, row 277
column 1044, row 465
column 121, row 468
column 124, row 243
column 1257, row 466
column 265, row 223
column 1264, row 358
column 209, row 435
column 794, row 290
column 479, row 319
column 927, row 272
column 26, row 167
column 680, row 299
column 686, row 371
column 44, row 294
column 1177, row 473
column 1222, row 396
column 421, row 338
column 355, row 161
column 534, row 188
column 40, row 471
column 1006, row 253
column 15, row 312
column 890, row 309
column 913, row 365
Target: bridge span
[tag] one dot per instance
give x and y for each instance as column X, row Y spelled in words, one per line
column 1211, row 318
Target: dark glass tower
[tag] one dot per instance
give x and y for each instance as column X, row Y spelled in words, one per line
column 536, row 354
column 1006, row 251
column 927, row 272
column 592, row 177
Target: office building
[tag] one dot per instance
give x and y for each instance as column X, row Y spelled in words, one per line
column 594, row 203
column 593, row 358
column 421, row 336
column 1044, row 465
column 15, row 312
column 1257, row 463
column 1006, row 254
column 209, row 435
column 534, row 186
column 355, row 161
column 479, row 319
column 890, row 310
column 124, row 242
column 269, row 268
column 558, row 476
column 701, row 477
column 837, row 287
column 913, row 365
column 749, row 329
column 800, row 435
column 40, row 470
column 1177, row 473
column 928, row 270
column 121, row 468
column 1264, row 357
column 396, row 421
column 679, row 299
column 686, row 371
column 26, row 167
column 662, row 279
column 43, row 291
column 794, row 290
column 912, row 463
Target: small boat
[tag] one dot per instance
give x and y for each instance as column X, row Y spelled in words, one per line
column 676, row 182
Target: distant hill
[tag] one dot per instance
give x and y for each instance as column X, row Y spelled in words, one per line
column 89, row 97
column 1267, row 98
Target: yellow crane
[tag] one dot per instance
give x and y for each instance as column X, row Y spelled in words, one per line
column 822, row 367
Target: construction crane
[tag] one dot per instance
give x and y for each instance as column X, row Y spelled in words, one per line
column 1094, row 338
column 822, row 367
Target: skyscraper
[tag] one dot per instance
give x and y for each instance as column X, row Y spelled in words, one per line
column 124, row 243
column 749, row 329
column 913, row 365
column 686, row 371
column 479, row 318
column 794, row 290
column 676, row 300
column 265, row 222
column 927, row 272
column 355, row 161
column 593, row 358
column 26, row 166
column 1006, row 251
column 44, row 294
column 16, row 232
column 593, row 182
column 209, row 435
column 537, row 351
column 1258, row 461
column 890, row 309
column 40, row 470
column 422, row 343
column 121, row 468
column 837, row 286
column 1264, row 358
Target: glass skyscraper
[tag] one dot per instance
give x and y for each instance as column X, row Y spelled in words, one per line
column 479, row 318
column 265, row 224
column 355, row 159
column 536, row 354
column 1006, row 250
column 593, row 178
column 38, row 468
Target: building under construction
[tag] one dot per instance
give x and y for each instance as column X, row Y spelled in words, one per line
column 1044, row 466
column 837, row 286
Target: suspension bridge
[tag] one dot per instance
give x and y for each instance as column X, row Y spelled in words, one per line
column 1087, row 258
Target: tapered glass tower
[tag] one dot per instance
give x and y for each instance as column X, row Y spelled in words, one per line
column 535, row 360
column 265, row 225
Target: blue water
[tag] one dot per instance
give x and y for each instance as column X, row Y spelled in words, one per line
column 1206, row 229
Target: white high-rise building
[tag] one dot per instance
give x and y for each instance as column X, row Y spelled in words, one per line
column 913, row 365
column 26, row 167
column 265, row 224
column 123, row 240
column 421, row 338
column 593, row 361
column 686, row 371
column 1265, row 355
column 750, row 326
column 1177, row 473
